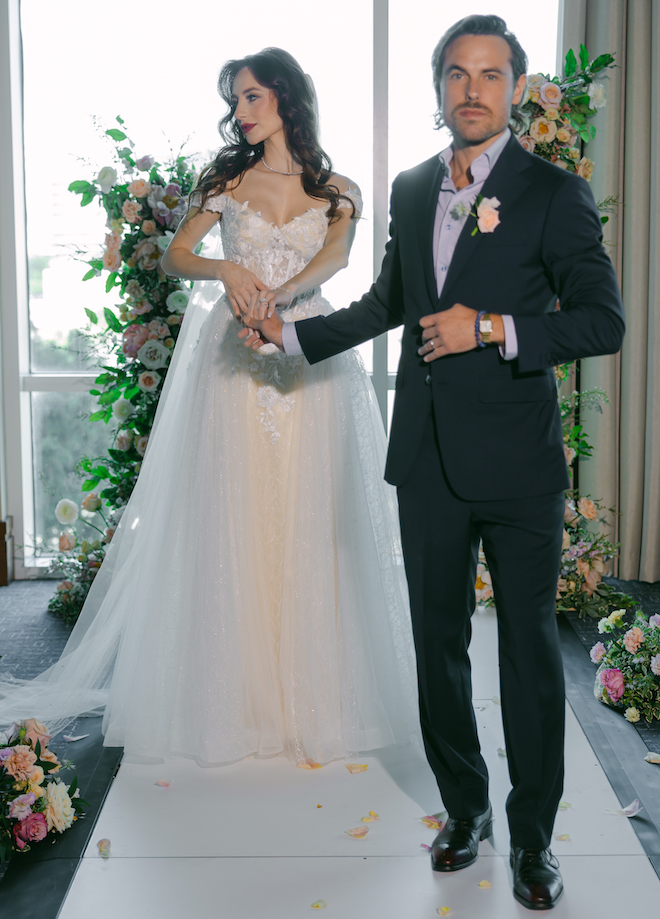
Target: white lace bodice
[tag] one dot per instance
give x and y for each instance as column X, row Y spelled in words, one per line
column 274, row 253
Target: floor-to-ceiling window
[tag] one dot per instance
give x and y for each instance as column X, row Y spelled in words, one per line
column 156, row 66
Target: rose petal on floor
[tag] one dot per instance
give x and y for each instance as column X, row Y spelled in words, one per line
column 319, row 805
column 319, row 904
column 501, row 752
column 371, row 816
column 433, row 823
column 358, row 833
column 496, row 700
column 356, row 767
column 562, row 837
column 652, row 758
column 68, row 739
column 444, row 910
column 309, row 766
column 564, row 806
column 485, row 884
column 630, row 811
column 103, row 845
column 163, row 783
column 424, row 846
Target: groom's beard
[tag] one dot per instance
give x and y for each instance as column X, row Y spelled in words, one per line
column 469, row 132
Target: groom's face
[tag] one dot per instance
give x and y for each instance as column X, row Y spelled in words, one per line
column 478, row 88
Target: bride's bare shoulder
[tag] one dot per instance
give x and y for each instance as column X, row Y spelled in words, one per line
column 343, row 183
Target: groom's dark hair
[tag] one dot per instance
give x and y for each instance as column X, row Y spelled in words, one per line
column 477, row 25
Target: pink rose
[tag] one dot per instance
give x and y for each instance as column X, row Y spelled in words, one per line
column 66, row 542
column 488, row 217
column 139, row 188
column 21, row 807
column 550, row 95
column 140, row 307
column 130, row 210
column 134, row 337
column 527, row 143
column 597, row 653
column 141, row 444
column 145, row 162
column 112, row 260
column 654, row 621
column 148, row 380
column 612, row 680
column 161, row 329
column 633, row 639
column 33, row 829
column 655, row 664
column 65, row 586
column 109, row 533
column 144, row 248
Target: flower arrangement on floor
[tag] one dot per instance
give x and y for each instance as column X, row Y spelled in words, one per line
column 144, row 202
column 628, row 675
column 555, row 125
column 33, row 800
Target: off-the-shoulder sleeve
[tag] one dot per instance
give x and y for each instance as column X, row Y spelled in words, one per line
column 354, row 194
column 215, row 203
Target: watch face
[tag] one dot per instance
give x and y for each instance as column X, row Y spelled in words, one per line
column 486, row 326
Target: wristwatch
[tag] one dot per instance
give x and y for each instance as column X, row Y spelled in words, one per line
column 486, row 328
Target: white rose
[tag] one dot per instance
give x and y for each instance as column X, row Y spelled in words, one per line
column 153, row 354
column 59, row 811
column 177, row 301
column 106, row 179
column 66, row 512
column 122, row 409
column 596, row 93
column 163, row 241
column 148, row 380
column 535, row 81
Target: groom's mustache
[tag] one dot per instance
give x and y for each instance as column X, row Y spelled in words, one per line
column 470, row 106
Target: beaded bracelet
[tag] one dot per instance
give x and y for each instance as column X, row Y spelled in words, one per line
column 477, row 334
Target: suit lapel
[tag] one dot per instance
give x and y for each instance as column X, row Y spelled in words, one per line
column 506, row 182
column 426, row 205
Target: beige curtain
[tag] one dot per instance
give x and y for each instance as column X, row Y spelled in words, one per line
column 625, row 469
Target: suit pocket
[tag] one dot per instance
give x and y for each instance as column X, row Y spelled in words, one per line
column 499, row 388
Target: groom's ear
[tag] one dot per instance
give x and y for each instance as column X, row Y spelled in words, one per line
column 519, row 89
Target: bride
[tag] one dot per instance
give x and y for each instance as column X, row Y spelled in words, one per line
column 253, row 599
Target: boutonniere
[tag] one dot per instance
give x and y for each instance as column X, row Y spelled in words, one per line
column 488, row 217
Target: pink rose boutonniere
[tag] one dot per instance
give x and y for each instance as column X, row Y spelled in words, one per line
column 488, row 217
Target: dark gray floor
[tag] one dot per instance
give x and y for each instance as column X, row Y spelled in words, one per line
column 31, row 638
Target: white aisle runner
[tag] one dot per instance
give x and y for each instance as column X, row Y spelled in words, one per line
column 249, row 840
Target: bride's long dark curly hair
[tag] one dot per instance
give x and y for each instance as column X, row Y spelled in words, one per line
column 296, row 105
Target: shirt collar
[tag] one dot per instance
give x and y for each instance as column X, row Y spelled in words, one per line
column 482, row 166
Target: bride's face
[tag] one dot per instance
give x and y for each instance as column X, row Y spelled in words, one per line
column 256, row 108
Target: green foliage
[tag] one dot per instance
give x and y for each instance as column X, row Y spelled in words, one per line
column 636, row 662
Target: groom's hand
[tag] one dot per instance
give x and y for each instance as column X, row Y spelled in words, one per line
column 452, row 332
column 260, row 331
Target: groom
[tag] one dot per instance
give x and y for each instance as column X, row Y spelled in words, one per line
column 476, row 448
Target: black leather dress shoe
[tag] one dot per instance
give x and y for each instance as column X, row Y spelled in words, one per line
column 537, row 882
column 457, row 844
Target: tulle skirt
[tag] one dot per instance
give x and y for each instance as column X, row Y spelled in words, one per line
column 253, row 599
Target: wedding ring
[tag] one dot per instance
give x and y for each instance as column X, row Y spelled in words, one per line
column 431, row 344
column 263, row 300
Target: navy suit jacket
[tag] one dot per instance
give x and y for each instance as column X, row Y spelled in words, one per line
column 498, row 421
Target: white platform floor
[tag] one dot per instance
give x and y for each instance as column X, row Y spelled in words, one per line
column 249, row 840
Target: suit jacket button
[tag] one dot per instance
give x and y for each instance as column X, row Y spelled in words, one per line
column 428, row 379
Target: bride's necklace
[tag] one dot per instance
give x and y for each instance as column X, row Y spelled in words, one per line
column 278, row 172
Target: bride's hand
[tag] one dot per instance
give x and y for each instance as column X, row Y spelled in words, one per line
column 270, row 328
column 242, row 286
column 268, row 300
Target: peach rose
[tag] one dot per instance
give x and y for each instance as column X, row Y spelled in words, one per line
column 565, row 135
column 65, row 586
column 66, row 542
column 566, row 541
column 36, row 731
column 109, row 533
column 141, row 444
column 633, row 639
column 20, row 765
column 550, row 95
column 35, row 780
column 130, row 210
column 585, row 168
column 149, row 227
column 574, row 154
column 587, row 509
column 561, row 587
column 488, row 217
column 112, row 260
column 134, row 290
column 113, row 240
column 552, row 114
column 569, row 452
column 49, row 757
column 148, row 380
column 543, row 131
column 124, row 440
column 139, row 188
column 92, row 502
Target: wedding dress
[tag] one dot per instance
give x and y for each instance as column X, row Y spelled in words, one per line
column 253, row 598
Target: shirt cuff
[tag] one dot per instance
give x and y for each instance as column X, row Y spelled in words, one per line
column 290, row 342
column 509, row 351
